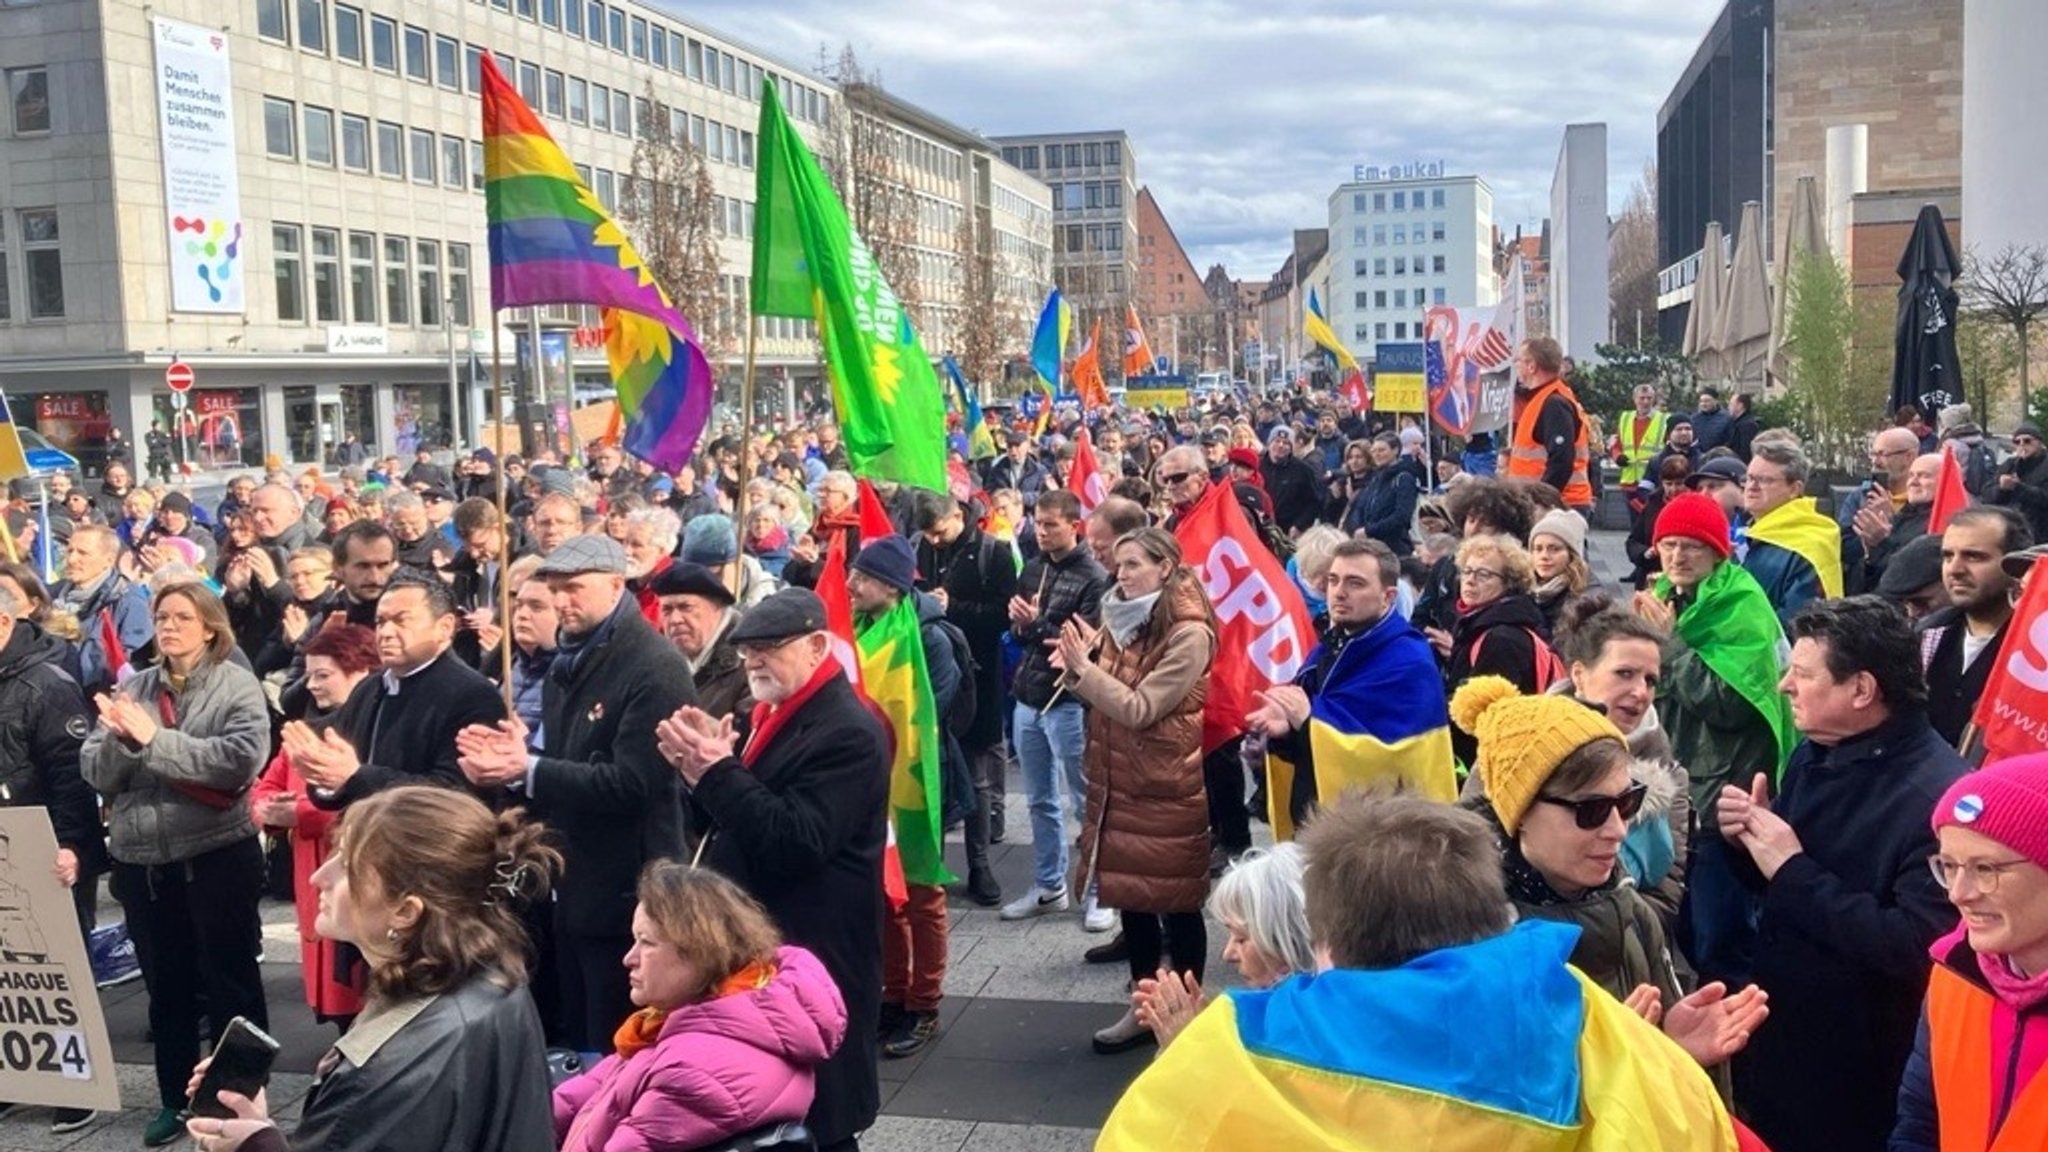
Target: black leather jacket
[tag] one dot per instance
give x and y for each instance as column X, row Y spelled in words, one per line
column 466, row 1069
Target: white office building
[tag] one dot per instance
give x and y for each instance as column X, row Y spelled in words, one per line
column 1579, row 243
column 1401, row 239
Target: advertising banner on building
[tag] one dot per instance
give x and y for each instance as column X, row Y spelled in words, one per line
column 53, row 1037
column 202, row 195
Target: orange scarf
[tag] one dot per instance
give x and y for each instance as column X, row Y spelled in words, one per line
column 643, row 1028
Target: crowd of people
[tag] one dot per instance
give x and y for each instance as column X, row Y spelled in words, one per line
column 1665, row 865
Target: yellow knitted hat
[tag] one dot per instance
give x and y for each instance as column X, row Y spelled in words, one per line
column 1522, row 739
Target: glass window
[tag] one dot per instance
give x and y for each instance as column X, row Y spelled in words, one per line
column 313, row 25
column 348, row 34
column 1400, row 265
column 715, row 143
column 326, row 275
column 1113, row 237
column 697, row 126
column 1358, row 299
column 693, row 60
column 1400, row 234
column 639, row 38
column 355, row 143
column 606, row 187
column 1418, row 231
column 642, row 116
column 418, row 65
column 28, row 95
column 362, row 278
column 383, row 44
column 615, row 29
column 429, row 264
column 1400, row 201
column 1379, row 235
column 529, row 84
column 319, row 136
column 1358, row 202
column 551, row 12
column 390, row 150
column 675, row 51
column 594, row 19
column 1379, row 299
column 524, row 8
column 1401, row 329
column 579, row 100
column 279, row 132
column 600, row 107
column 1092, row 194
column 622, row 112
column 1093, row 154
column 1379, row 201
column 732, row 144
column 746, row 150
column 397, row 277
column 1400, row 297
column 473, row 67
column 1436, row 296
column 454, row 161
column 271, row 21
column 476, row 165
column 447, row 62
column 1436, row 230
column 1112, row 152
column 422, row 156
column 44, row 262
column 1358, row 269
column 288, row 271
column 551, row 93
column 1436, row 198
column 1436, row 264
column 658, row 48
column 1073, row 155
column 458, row 284
column 572, row 17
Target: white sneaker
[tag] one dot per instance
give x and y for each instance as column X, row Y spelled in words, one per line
column 1036, row 902
column 1095, row 918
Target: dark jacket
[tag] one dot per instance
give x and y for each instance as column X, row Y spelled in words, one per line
column 720, row 679
column 1742, row 432
column 132, row 625
column 1385, row 509
column 409, row 737
column 1028, row 478
column 979, row 575
column 1842, row 943
column 612, row 803
column 2031, row 496
column 802, row 829
column 432, row 475
column 1787, row 578
column 1295, row 489
column 1711, row 430
column 1862, row 567
column 1070, row 586
column 1497, row 638
column 43, row 720
column 1953, row 690
column 466, row 1069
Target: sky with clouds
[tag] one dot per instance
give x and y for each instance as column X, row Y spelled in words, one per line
column 1246, row 114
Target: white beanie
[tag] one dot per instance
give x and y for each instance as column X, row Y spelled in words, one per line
column 1568, row 527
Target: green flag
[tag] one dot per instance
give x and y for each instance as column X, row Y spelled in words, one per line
column 810, row 264
column 1733, row 627
column 893, row 671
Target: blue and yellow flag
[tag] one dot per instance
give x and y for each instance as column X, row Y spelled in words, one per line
column 893, row 671
column 1379, row 715
column 1497, row 1045
column 13, row 461
column 1049, row 341
column 1798, row 527
column 1316, row 327
column 981, row 443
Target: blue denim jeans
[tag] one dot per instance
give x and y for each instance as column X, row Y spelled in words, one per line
column 1049, row 752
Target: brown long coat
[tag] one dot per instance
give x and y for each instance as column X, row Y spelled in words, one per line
column 1146, row 835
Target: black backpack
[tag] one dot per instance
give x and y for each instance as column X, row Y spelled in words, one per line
column 959, row 717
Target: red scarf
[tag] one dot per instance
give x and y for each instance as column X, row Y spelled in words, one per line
column 768, row 719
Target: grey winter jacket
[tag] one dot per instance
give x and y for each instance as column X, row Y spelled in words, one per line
column 160, row 791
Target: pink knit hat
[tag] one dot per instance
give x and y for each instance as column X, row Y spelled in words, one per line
column 2007, row 801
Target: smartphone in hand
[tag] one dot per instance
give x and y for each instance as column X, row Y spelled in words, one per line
column 241, row 1063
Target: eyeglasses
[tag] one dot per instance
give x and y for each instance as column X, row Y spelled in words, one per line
column 760, row 651
column 1984, row 875
column 1593, row 811
column 1478, row 575
column 2025, row 440
column 1172, row 478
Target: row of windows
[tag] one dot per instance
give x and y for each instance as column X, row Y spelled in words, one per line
column 383, row 44
column 1379, row 331
column 1065, row 157
column 1087, row 194
column 42, row 265
column 1416, row 233
column 1402, row 265
column 28, row 100
column 1403, row 201
column 1089, row 238
column 367, row 278
column 1378, row 298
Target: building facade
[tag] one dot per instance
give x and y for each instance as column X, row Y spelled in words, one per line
column 335, row 284
column 1400, row 241
column 1094, row 181
column 1578, row 242
column 1172, row 303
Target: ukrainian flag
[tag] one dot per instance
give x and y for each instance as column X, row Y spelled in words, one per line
column 1497, row 1046
column 1379, row 715
column 13, row 462
column 1316, row 327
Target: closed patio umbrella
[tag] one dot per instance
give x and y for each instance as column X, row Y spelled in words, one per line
column 1703, row 319
column 1744, row 336
column 1803, row 239
column 1926, row 371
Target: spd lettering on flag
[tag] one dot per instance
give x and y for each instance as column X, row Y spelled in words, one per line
column 2012, row 715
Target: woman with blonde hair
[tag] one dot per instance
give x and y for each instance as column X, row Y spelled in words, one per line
column 730, row 1025
column 1557, row 558
column 428, row 884
column 1499, row 630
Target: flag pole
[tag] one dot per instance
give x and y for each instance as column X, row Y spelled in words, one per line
column 739, row 526
column 504, row 526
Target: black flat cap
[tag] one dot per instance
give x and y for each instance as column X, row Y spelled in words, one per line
column 683, row 578
column 788, row 613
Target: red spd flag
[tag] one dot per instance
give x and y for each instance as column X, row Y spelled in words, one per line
column 2012, row 715
column 1950, row 497
column 1355, row 392
column 1263, row 630
column 1084, row 479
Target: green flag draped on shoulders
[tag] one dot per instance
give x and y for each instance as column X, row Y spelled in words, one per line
column 1731, row 624
column 892, row 668
column 810, row 264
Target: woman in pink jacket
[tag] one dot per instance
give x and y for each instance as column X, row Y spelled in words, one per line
column 730, row 1029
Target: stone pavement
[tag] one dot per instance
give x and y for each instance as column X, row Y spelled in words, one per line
column 1011, row 1070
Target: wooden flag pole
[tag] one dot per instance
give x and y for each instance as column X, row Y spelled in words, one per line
column 740, row 502
column 504, row 525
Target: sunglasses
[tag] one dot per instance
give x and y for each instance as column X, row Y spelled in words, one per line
column 1172, row 478
column 1592, row 812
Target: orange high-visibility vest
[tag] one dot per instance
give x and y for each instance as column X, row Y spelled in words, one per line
column 1959, row 1042
column 1527, row 456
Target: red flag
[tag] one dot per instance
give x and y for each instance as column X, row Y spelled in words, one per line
column 874, row 515
column 1084, row 479
column 1087, row 374
column 1263, row 630
column 1950, row 497
column 839, row 625
column 110, row 643
column 1355, row 392
column 2008, row 716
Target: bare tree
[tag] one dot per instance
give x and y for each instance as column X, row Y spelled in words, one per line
column 1632, row 264
column 2011, row 288
column 671, row 207
column 866, row 163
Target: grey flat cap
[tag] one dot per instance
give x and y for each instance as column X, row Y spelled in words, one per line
column 587, row 553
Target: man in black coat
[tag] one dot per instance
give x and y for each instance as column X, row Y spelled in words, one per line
column 2023, row 479
column 795, row 801
column 1840, row 859
column 1295, row 488
column 43, row 721
column 610, row 802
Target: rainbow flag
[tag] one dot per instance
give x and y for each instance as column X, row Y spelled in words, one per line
column 553, row 243
column 892, row 666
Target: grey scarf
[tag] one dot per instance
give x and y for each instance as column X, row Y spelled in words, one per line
column 1125, row 617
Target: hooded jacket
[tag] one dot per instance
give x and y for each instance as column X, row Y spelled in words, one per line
column 1385, row 508
column 720, row 1067
column 43, row 720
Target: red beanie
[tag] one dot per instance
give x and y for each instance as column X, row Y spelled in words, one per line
column 2007, row 801
column 1695, row 516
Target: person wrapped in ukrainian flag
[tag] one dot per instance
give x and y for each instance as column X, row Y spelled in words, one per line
column 1434, row 1020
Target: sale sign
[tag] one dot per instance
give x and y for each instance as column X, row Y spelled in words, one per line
column 53, row 1037
column 2012, row 715
column 1263, row 630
